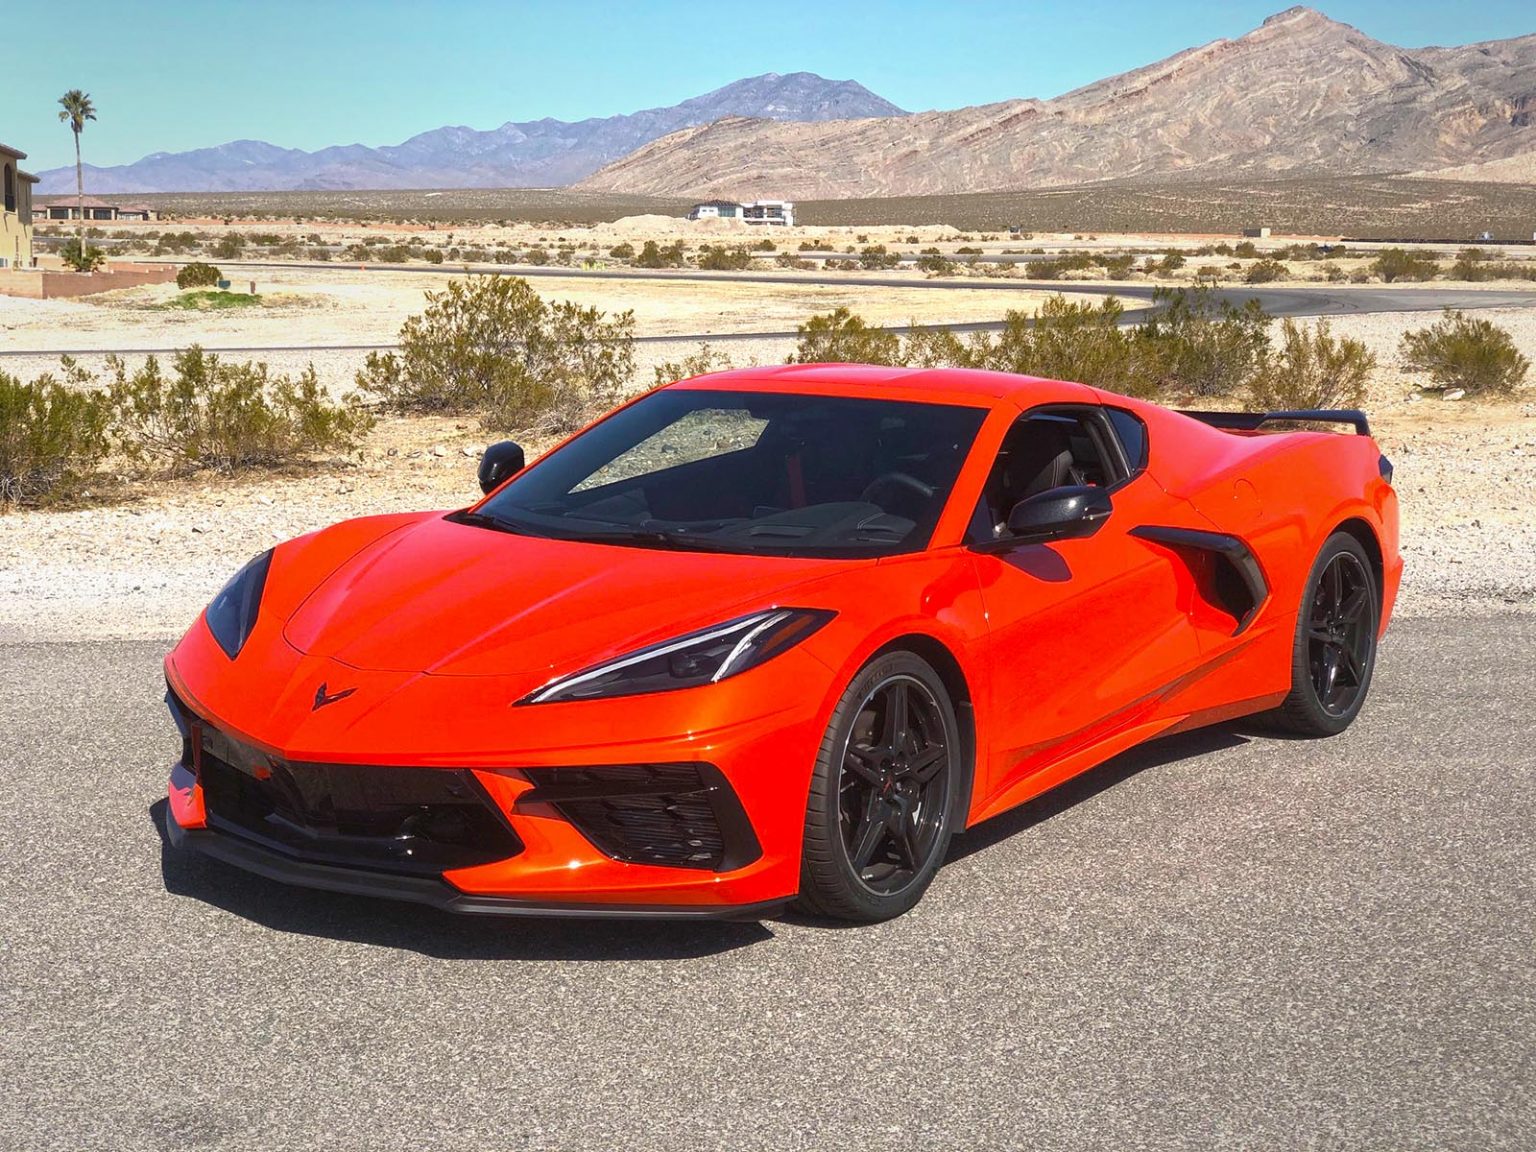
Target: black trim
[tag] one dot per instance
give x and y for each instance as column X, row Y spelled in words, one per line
column 578, row 794
column 250, row 857
column 1384, row 466
column 1253, row 421
column 1230, row 548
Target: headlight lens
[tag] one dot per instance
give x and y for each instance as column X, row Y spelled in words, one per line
column 703, row 657
column 232, row 613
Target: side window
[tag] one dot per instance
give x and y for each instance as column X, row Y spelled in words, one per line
column 1132, row 434
column 1044, row 450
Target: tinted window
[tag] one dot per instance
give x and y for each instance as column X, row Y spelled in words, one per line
column 749, row 472
column 1133, row 437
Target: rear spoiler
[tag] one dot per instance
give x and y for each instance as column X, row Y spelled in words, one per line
column 1253, row 421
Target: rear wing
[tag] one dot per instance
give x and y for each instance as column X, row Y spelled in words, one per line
column 1253, row 421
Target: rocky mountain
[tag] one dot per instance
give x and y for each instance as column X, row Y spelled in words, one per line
column 1301, row 95
column 534, row 154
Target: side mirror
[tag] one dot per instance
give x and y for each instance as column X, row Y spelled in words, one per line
column 1058, row 514
column 501, row 460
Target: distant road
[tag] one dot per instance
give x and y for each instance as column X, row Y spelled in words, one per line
column 1300, row 301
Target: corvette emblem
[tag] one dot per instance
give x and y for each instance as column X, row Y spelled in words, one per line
column 322, row 697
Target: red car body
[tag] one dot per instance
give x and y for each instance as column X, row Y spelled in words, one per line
column 408, row 640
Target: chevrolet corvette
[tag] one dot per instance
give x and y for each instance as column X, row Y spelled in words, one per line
column 774, row 635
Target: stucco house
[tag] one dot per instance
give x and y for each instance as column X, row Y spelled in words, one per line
column 15, row 210
column 68, row 208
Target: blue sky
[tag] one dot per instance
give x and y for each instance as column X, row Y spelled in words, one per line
column 170, row 75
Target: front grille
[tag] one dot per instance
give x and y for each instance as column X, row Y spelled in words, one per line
column 683, row 815
column 420, row 821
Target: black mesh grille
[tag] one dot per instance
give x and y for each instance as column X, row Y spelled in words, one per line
column 683, row 815
column 413, row 820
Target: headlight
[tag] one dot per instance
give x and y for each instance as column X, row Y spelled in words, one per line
column 704, row 657
column 232, row 613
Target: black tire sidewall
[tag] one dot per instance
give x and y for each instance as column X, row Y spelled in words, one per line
column 1303, row 703
column 829, row 885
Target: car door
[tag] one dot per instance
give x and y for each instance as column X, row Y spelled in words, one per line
column 1084, row 633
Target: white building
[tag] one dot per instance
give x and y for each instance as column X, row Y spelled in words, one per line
column 752, row 212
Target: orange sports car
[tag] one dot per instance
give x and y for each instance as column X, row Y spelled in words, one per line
column 774, row 635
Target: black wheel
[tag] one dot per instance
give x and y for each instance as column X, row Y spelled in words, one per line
column 883, row 795
column 1335, row 647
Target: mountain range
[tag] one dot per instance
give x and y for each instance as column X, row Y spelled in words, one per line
column 1302, row 95
column 535, row 154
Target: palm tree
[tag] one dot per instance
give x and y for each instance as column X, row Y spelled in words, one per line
column 77, row 110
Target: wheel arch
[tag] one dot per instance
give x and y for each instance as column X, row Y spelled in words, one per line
column 1363, row 532
column 939, row 657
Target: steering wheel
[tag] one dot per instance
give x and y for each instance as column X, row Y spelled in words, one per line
column 894, row 484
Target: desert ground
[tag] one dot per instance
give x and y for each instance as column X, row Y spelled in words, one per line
column 143, row 567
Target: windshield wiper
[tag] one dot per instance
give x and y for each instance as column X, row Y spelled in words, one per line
column 494, row 523
column 664, row 537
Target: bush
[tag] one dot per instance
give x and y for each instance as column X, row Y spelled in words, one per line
column 790, row 260
column 624, row 251
column 1458, row 351
column 230, row 246
column 536, row 256
column 1399, row 264
column 1118, row 266
column 933, row 263
column 705, row 360
column 840, row 336
column 1247, row 250
column 1202, row 346
column 212, row 413
column 50, row 435
column 198, row 275
column 1312, row 369
column 875, row 257
column 81, row 258
column 652, row 255
column 492, row 344
column 1170, row 263
column 1071, row 341
column 1265, row 271
column 723, row 259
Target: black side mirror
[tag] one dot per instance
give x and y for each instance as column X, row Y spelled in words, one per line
column 1058, row 514
column 501, row 460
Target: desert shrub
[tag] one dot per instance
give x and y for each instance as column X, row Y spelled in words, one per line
column 815, row 246
column 1312, row 369
column 174, row 243
column 1471, row 264
column 705, row 360
column 51, row 435
column 357, row 254
column 1201, row 345
column 1071, row 341
column 1335, row 274
column 198, row 275
column 230, row 246
column 492, row 344
column 1459, row 351
column 790, row 260
column 653, row 255
column 1043, row 269
column 1247, row 250
column 1399, row 264
column 875, row 256
column 214, row 413
column 81, row 258
column 1171, row 262
column 624, row 251
column 536, row 256
column 841, row 336
column 936, row 347
column 934, row 263
column 722, row 259
column 432, row 256
column 1265, row 271
column 765, row 246
column 967, row 251
column 319, row 253
column 1118, row 266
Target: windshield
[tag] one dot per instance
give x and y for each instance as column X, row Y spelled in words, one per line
column 748, row 472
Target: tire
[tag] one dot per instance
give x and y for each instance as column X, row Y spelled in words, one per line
column 884, row 795
column 1336, row 629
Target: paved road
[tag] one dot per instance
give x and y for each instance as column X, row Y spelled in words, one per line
column 1220, row 942
column 1294, row 302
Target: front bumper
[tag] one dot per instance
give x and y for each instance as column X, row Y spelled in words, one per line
column 435, row 892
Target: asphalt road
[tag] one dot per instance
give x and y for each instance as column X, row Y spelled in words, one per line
column 1222, row 941
column 1279, row 302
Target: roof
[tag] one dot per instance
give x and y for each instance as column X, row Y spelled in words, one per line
column 9, row 151
column 718, row 204
column 28, row 177
column 955, row 384
column 66, row 201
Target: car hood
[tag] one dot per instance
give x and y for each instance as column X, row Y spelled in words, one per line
column 458, row 600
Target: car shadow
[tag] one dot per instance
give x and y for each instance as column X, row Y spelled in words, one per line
column 443, row 935
column 1167, row 750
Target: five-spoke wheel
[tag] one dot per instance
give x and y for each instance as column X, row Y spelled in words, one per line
column 883, row 797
